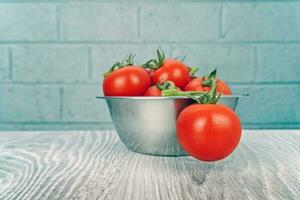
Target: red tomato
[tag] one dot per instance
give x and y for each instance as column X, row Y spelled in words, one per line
column 196, row 85
column 153, row 91
column 171, row 70
column 208, row 132
column 127, row 81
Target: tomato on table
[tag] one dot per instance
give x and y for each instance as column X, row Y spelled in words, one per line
column 208, row 132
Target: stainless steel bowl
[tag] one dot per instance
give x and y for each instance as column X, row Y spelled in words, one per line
column 148, row 124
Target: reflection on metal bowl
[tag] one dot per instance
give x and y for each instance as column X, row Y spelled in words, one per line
column 148, row 124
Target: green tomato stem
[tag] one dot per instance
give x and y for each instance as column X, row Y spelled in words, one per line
column 174, row 92
column 193, row 70
column 155, row 63
column 165, row 85
column 118, row 65
column 210, row 97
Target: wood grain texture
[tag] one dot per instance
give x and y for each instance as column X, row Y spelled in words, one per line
column 95, row 165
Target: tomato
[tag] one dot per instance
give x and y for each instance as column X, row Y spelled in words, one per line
column 156, row 90
column 172, row 70
column 169, row 70
column 196, row 85
column 208, row 132
column 153, row 91
column 127, row 81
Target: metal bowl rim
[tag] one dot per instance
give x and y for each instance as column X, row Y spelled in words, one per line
column 163, row 97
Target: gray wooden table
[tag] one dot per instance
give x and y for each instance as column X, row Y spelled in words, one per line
column 95, row 165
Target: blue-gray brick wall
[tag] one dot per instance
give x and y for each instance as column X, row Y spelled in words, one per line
column 53, row 54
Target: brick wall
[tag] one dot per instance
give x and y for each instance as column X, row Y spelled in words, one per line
column 52, row 55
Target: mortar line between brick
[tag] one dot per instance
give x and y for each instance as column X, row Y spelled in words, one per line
column 255, row 65
column 110, row 123
column 58, row 22
column 139, row 22
column 56, row 122
column 48, row 83
column 90, row 69
column 10, row 64
column 144, row 2
column 61, row 105
column 223, row 42
column 247, row 84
